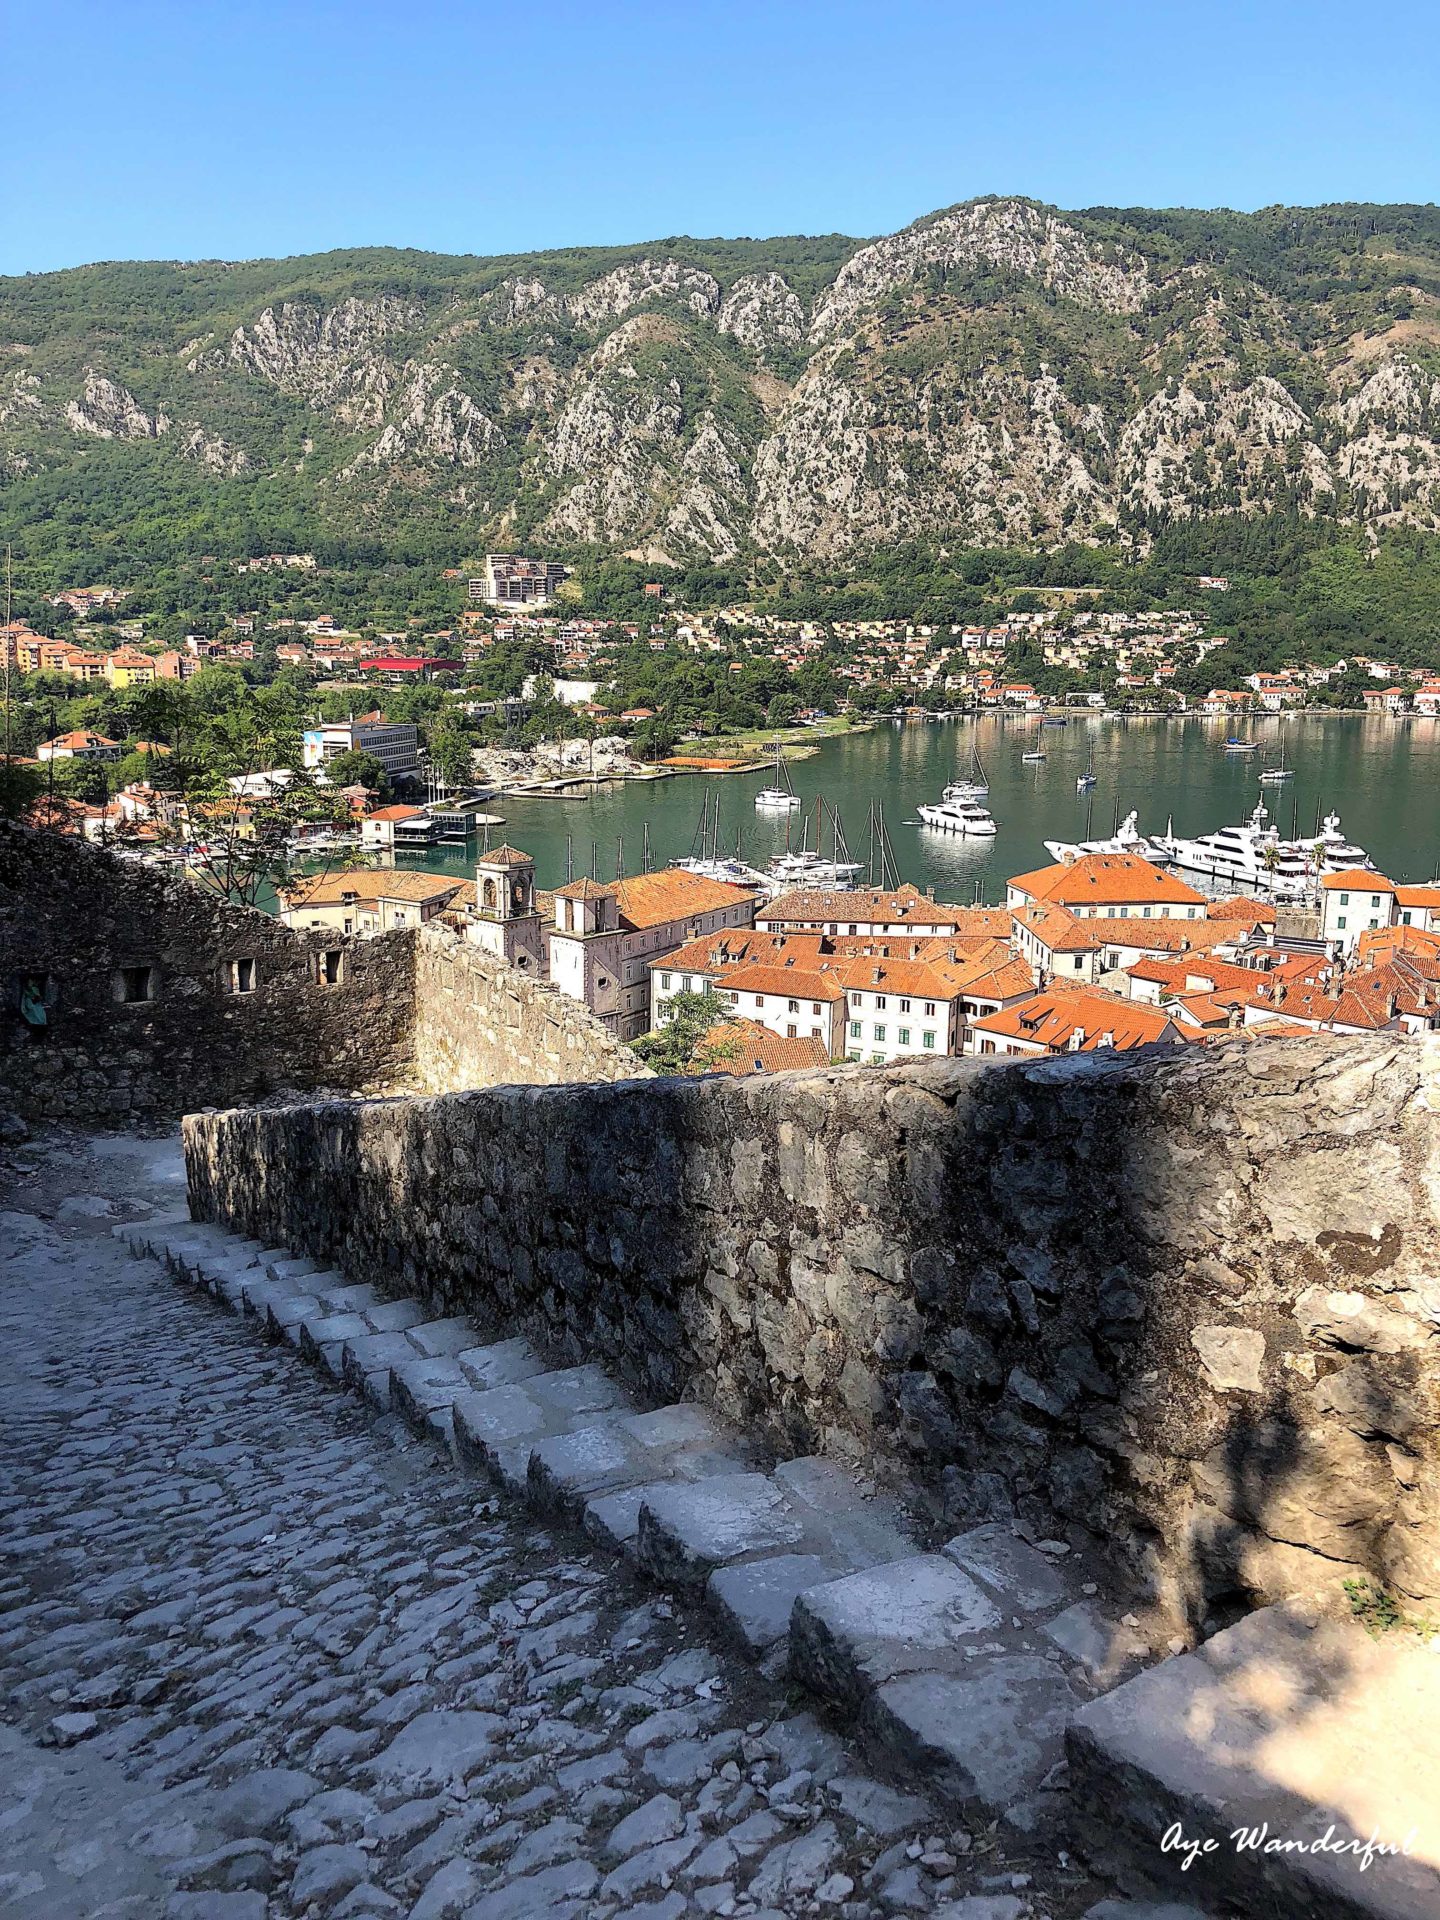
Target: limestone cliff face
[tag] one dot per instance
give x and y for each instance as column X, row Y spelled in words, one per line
column 111, row 412
column 999, row 372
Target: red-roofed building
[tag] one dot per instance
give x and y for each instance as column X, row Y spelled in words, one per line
column 1072, row 1020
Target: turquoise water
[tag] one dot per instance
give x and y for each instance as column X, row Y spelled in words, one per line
column 1382, row 775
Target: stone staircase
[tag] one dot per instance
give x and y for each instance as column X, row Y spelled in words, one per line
column 993, row 1667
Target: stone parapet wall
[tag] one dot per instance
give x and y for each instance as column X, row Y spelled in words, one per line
column 481, row 1023
column 88, row 923
column 1186, row 1303
column 414, row 1008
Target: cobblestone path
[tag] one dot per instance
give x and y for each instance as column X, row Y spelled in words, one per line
column 263, row 1653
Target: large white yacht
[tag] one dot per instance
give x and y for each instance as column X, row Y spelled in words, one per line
column 1252, row 855
column 960, row 816
column 1127, row 838
column 806, row 868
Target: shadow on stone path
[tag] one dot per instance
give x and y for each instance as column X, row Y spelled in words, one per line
column 262, row 1653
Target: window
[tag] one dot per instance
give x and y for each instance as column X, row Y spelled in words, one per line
column 665, row 983
column 855, row 1031
column 879, row 1002
column 928, row 1039
column 131, row 985
column 1340, row 922
column 792, row 1006
column 688, row 984
column 815, row 1034
column 814, row 1006
column 929, row 1009
column 904, row 1006
column 1374, row 899
column 759, row 999
column 902, row 1034
column 1344, row 899
column 239, row 976
column 790, row 1031
column 879, row 1032
column 987, row 1046
column 1079, row 961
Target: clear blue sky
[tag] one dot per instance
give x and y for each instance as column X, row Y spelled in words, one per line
column 236, row 128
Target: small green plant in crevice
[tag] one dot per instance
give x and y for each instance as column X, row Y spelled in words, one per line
column 1380, row 1612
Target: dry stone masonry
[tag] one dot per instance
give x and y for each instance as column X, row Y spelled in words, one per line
column 1185, row 1307
column 160, row 998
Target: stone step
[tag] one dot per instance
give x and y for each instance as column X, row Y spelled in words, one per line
column 1302, row 1730
column 968, row 1663
column 751, row 1542
column 497, row 1428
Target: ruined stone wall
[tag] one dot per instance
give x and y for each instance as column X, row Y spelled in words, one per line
column 92, row 927
column 1188, row 1303
column 480, row 1023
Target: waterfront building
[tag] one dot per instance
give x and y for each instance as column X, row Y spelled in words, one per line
column 395, row 745
column 605, row 937
column 1108, row 886
column 1354, row 902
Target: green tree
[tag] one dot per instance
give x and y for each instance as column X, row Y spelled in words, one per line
column 677, row 1045
column 356, row 768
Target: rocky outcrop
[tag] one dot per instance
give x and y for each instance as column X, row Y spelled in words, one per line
column 624, row 288
column 212, row 450
column 763, row 312
column 1233, row 451
column 111, row 412
column 1008, row 236
column 432, row 420
column 333, row 358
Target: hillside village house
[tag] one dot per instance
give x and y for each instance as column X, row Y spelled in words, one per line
column 604, row 937
column 79, row 745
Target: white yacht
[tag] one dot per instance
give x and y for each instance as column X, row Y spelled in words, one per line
column 806, row 868
column 1127, row 838
column 960, row 816
column 782, row 797
column 1252, row 855
column 731, row 869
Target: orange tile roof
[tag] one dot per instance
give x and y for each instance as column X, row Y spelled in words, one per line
column 367, row 887
column 79, row 739
column 1059, row 929
column 1052, row 1019
column 730, row 946
column 586, row 889
column 743, row 1046
column 1106, row 879
column 1358, row 880
column 650, row 899
column 904, row 903
column 1419, row 897
column 395, row 813
column 793, row 983
column 506, row 857
column 1256, row 912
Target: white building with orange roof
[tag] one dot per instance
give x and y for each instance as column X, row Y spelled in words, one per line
column 605, row 936
column 1072, row 1020
column 1353, row 902
column 1418, row 907
column 793, row 1001
column 1108, row 886
column 79, row 745
column 888, row 910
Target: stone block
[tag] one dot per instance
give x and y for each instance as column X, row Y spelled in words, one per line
column 422, row 1388
column 613, row 1519
column 290, row 1267
column 1024, row 1580
column 504, row 1364
column 1300, row 1729
column 326, row 1328
column 577, row 1390
column 855, row 1634
column 501, row 1419
column 687, row 1531
column 393, row 1316
column 990, row 1733
column 755, row 1599
column 368, row 1353
column 344, row 1296
column 437, row 1339
column 566, row 1470
column 285, row 1312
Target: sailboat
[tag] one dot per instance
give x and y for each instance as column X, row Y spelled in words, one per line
column 782, row 797
column 1086, row 780
column 1276, row 775
column 807, row 866
column 974, row 786
column 705, row 857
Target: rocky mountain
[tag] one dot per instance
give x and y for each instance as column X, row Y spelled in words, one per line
column 999, row 373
